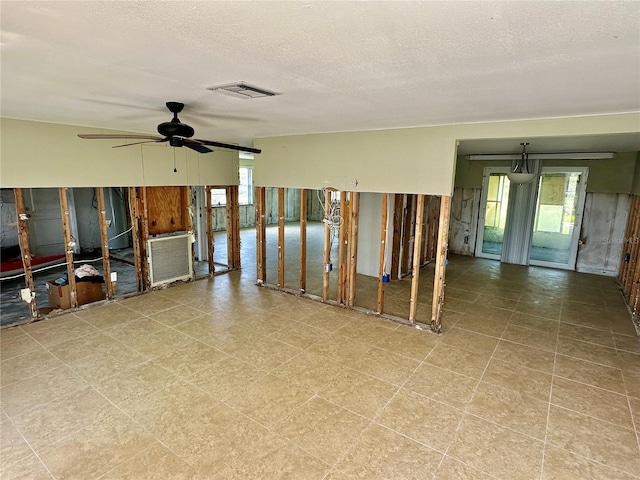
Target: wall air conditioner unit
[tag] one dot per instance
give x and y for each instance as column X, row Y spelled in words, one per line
column 170, row 259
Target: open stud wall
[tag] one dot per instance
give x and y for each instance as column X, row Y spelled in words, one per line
column 416, row 227
column 629, row 273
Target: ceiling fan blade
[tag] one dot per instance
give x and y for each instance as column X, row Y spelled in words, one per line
column 227, row 145
column 159, row 140
column 108, row 136
column 198, row 147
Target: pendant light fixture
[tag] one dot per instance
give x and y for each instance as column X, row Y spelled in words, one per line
column 520, row 173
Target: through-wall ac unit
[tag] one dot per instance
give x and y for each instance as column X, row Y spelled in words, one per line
column 170, row 259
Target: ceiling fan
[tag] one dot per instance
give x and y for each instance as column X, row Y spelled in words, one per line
column 175, row 132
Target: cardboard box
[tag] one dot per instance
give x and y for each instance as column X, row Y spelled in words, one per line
column 60, row 296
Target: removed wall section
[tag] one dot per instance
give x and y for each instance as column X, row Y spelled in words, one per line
column 463, row 224
column 603, row 225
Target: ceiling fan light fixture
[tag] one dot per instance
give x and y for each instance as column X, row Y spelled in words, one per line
column 243, row 90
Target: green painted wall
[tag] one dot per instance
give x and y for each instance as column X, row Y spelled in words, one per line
column 635, row 185
column 615, row 175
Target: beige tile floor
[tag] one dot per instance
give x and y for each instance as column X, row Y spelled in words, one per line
column 537, row 376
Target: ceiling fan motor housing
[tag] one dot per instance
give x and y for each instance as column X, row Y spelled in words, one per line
column 175, row 129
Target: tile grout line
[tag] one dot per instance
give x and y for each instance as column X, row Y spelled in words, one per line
column 553, row 372
column 33, row 450
column 377, row 415
column 633, row 420
column 468, row 403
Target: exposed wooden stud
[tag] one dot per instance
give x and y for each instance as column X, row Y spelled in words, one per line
column 633, row 277
column 630, row 247
column 229, row 225
column 407, row 230
column 104, row 242
column 434, row 213
column 417, row 244
column 23, row 239
column 144, row 237
column 622, row 269
column 134, row 207
column 281, row 206
column 209, row 227
column 633, row 256
column 634, row 292
column 383, row 247
column 353, row 246
column 68, row 246
column 303, row 240
column 187, row 214
column 624, row 266
column 232, row 210
column 424, row 235
column 441, row 262
column 342, row 247
column 327, row 246
column 632, row 243
column 627, row 247
column 261, row 236
column 236, row 230
column 398, row 203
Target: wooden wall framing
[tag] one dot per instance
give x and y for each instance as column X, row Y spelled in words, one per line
column 23, row 240
column 104, row 243
column 68, row 245
column 420, row 225
column 136, row 230
column 398, row 204
column 152, row 211
column 417, row 256
column 354, row 213
column 261, row 236
column 209, row 227
column 326, row 272
column 233, row 227
column 629, row 273
column 384, row 232
column 343, row 239
column 441, row 262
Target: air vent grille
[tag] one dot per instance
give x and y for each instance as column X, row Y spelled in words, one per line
column 243, row 90
column 170, row 259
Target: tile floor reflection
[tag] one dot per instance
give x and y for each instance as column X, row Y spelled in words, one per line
column 537, row 376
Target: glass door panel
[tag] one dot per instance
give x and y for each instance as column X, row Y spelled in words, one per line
column 495, row 215
column 557, row 219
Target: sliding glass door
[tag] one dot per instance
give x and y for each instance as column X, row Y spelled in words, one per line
column 556, row 228
column 543, row 227
column 493, row 214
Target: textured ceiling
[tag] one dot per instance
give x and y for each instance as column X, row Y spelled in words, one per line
column 340, row 65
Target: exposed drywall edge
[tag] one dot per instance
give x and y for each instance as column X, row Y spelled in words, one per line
column 38, row 154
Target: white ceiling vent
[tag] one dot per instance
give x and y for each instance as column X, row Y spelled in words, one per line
column 243, row 90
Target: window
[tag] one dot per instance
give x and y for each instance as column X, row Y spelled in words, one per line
column 497, row 195
column 245, row 189
column 218, row 197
